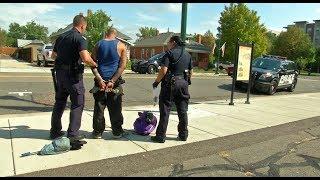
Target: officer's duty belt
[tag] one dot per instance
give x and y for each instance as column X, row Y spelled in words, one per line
column 63, row 67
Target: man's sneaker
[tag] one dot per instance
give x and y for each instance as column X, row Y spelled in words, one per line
column 76, row 138
column 56, row 135
column 96, row 135
column 123, row 134
column 157, row 139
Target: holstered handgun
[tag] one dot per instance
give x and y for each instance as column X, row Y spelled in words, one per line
column 77, row 69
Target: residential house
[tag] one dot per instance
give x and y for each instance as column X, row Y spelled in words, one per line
column 29, row 49
column 121, row 36
column 146, row 48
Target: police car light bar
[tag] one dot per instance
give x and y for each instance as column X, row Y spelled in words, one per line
column 275, row 57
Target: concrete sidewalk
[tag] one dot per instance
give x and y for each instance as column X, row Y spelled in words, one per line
column 207, row 120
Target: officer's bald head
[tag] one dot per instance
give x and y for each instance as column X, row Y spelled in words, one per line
column 111, row 32
column 80, row 22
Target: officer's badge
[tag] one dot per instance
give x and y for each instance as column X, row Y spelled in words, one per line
column 84, row 38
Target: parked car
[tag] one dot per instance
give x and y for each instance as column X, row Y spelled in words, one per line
column 229, row 70
column 44, row 55
column 223, row 65
column 135, row 63
column 270, row 73
column 149, row 66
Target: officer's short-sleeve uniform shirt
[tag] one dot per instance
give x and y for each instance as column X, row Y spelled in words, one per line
column 176, row 66
column 68, row 45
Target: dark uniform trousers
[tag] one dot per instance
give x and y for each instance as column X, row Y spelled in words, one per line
column 114, row 104
column 179, row 94
column 68, row 85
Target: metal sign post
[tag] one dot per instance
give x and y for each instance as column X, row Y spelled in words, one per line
column 242, row 67
column 250, row 76
column 234, row 71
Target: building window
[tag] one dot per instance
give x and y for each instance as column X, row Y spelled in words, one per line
column 134, row 52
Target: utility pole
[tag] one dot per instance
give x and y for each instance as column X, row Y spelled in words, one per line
column 183, row 31
column 184, row 21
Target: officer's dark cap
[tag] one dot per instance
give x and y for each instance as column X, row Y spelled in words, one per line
column 177, row 40
column 78, row 19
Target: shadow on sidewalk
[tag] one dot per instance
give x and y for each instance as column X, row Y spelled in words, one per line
column 23, row 131
column 133, row 136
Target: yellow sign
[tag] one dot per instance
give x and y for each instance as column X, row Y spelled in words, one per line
column 244, row 61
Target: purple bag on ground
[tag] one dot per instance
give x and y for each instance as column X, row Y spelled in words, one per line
column 145, row 123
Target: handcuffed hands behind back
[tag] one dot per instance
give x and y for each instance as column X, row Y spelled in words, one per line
column 102, row 85
column 109, row 86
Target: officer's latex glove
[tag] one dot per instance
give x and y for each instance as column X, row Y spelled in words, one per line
column 155, row 84
column 110, row 86
column 102, row 85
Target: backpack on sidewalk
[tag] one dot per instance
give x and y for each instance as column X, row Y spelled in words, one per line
column 145, row 123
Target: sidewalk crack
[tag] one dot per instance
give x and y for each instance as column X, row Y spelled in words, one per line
column 12, row 152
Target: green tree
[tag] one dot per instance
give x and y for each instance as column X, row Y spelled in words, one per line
column 15, row 32
column 98, row 23
column 3, row 37
column 238, row 21
column 316, row 62
column 193, row 37
column 147, row 32
column 208, row 39
column 271, row 40
column 296, row 45
column 30, row 31
column 35, row 31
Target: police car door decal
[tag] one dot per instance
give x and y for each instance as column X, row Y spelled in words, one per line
column 286, row 79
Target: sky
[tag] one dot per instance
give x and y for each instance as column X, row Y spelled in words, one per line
column 129, row 17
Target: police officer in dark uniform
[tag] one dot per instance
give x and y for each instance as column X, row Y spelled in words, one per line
column 70, row 50
column 175, row 74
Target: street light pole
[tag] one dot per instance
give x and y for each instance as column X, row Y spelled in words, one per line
column 184, row 21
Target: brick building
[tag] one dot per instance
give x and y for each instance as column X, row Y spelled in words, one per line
column 146, row 48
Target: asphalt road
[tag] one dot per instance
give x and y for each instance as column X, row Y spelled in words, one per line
column 33, row 92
